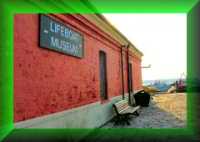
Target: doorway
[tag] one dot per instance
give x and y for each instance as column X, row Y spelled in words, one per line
column 103, row 75
column 130, row 77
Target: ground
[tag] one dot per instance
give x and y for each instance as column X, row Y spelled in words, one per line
column 164, row 111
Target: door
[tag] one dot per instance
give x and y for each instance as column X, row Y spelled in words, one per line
column 103, row 75
column 130, row 78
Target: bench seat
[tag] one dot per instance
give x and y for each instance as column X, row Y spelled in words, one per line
column 130, row 109
column 123, row 110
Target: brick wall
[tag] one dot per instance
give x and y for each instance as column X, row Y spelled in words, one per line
column 46, row 81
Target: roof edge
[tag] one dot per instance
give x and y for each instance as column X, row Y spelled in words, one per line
column 94, row 9
column 115, row 29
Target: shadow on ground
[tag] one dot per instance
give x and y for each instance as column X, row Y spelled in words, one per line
column 153, row 124
column 151, row 117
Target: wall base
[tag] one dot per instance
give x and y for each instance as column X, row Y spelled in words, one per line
column 88, row 116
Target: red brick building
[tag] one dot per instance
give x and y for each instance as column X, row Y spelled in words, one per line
column 67, row 90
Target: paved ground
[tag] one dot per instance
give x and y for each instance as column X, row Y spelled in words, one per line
column 164, row 111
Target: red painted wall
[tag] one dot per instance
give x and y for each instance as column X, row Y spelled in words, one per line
column 137, row 73
column 46, row 81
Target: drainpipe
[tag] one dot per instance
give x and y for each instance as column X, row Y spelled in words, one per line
column 122, row 71
column 128, row 70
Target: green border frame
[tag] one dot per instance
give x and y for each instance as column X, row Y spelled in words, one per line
column 10, row 8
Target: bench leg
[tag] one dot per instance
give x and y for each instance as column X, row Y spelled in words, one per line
column 127, row 122
column 136, row 113
column 117, row 120
column 121, row 120
column 126, row 119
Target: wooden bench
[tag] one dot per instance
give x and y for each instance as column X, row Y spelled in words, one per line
column 123, row 110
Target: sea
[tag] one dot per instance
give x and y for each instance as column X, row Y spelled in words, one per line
column 162, row 81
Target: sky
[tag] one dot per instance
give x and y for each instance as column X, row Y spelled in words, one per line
column 162, row 38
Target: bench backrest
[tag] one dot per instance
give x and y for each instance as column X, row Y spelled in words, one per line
column 120, row 106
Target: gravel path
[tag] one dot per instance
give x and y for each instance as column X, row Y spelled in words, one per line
column 164, row 111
